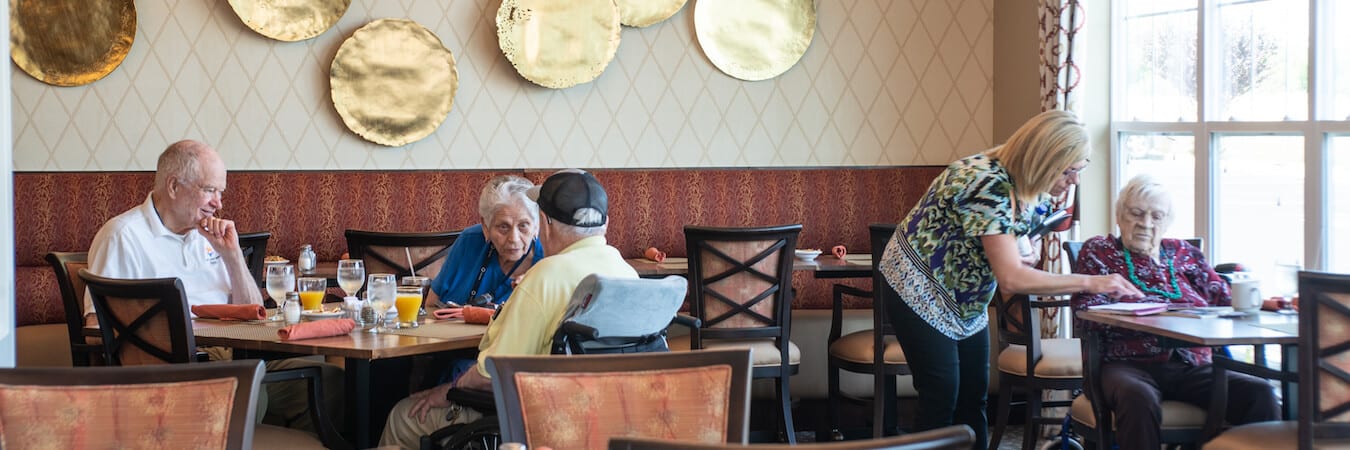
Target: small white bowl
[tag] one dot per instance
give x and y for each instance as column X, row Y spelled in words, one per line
column 806, row 255
column 320, row 315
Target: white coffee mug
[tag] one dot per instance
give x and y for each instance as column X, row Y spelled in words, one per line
column 1246, row 294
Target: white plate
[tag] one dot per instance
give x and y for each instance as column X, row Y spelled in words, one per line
column 320, row 315
column 806, row 255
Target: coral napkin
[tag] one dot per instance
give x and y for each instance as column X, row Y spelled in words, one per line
column 471, row 314
column 316, row 329
column 230, row 312
column 654, row 254
column 839, row 251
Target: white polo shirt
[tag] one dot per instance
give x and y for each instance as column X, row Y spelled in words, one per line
column 137, row 245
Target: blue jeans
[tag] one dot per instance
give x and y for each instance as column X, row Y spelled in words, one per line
column 951, row 376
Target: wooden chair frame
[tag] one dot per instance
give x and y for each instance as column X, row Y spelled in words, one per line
column 1017, row 325
column 783, row 240
column 242, row 415
column 359, row 241
column 254, row 247
column 1318, row 293
column 884, row 388
column 82, row 352
column 503, row 370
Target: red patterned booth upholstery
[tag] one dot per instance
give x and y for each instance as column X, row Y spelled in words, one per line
column 649, row 208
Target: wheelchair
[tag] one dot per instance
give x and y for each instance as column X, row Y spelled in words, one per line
column 604, row 315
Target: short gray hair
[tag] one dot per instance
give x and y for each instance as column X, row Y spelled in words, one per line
column 1144, row 188
column 503, row 190
column 180, row 160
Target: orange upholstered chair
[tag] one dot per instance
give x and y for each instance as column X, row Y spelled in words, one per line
column 581, row 401
column 208, row 405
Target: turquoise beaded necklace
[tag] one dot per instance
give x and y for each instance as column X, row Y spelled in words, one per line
column 1171, row 274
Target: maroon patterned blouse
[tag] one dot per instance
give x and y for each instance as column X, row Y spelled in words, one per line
column 1198, row 283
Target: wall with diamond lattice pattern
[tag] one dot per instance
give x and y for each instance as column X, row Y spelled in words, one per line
column 885, row 82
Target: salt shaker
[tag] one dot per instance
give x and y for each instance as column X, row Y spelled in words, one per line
column 292, row 308
column 307, row 259
column 352, row 306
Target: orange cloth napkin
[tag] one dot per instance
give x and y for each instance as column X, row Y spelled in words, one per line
column 839, row 251
column 316, row 329
column 470, row 314
column 230, row 312
column 654, row 254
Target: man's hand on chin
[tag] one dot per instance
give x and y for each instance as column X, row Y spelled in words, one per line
column 221, row 234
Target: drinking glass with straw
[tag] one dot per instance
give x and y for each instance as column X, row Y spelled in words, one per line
column 415, row 280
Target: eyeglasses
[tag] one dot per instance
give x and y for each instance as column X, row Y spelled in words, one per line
column 1074, row 172
column 211, row 191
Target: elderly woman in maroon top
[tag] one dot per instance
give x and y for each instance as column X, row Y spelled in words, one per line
column 1138, row 373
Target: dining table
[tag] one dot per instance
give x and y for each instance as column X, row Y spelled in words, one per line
column 358, row 350
column 1256, row 328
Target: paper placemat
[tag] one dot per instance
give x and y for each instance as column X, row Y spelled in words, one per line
column 441, row 330
column 1286, row 328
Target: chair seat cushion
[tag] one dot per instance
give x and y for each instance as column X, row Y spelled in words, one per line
column 1262, row 435
column 1060, row 358
column 857, row 347
column 275, row 437
column 1175, row 415
column 763, row 353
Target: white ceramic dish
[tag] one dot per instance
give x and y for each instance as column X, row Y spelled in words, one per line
column 806, row 255
column 320, row 315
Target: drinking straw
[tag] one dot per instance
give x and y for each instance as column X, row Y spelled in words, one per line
column 410, row 264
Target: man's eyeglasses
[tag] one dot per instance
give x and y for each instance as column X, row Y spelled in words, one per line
column 211, row 191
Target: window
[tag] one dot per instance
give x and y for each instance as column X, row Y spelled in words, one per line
column 1242, row 108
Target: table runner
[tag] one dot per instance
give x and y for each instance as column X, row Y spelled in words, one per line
column 442, row 330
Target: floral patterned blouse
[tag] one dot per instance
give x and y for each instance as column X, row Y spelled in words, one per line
column 1195, row 279
column 936, row 260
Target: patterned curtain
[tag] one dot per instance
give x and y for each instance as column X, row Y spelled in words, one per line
column 1060, row 22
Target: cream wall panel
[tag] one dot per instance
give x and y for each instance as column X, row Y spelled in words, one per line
column 885, row 82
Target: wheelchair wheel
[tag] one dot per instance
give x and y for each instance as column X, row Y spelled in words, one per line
column 479, row 435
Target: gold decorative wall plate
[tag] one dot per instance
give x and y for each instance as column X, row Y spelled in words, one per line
column 643, row 13
column 70, row 42
column 393, row 82
column 754, row 39
column 558, row 44
column 290, row 20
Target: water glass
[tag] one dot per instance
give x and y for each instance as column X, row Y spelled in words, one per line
column 351, row 274
column 381, row 289
column 280, row 280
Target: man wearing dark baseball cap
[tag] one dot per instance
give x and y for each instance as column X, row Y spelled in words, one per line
column 574, row 213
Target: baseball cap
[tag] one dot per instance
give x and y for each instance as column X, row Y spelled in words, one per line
column 565, row 193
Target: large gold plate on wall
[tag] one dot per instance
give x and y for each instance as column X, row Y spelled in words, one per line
column 290, row 20
column 644, row 13
column 558, row 44
column 393, row 82
column 754, row 39
column 70, row 42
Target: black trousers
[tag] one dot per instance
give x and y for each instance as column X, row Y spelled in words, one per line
column 951, row 376
column 1134, row 391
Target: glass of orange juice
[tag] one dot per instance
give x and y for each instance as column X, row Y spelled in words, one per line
column 311, row 292
column 407, row 301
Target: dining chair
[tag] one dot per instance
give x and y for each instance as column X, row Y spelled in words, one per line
column 67, row 265
column 857, row 351
column 1323, row 375
column 955, row 437
column 213, row 406
column 393, row 252
column 581, row 401
column 146, row 322
column 254, row 247
column 1032, row 365
column 741, row 292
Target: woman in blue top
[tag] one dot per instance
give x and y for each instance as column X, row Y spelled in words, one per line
column 487, row 257
column 960, row 244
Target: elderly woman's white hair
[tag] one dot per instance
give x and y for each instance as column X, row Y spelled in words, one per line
column 1144, row 188
column 504, row 190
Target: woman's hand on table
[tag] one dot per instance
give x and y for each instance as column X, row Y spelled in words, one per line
column 1113, row 286
column 426, row 400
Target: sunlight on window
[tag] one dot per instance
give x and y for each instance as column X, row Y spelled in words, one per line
column 1260, row 202
column 1339, row 200
column 1170, row 159
column 1339, row 50
column 1263, row 46
column 1160, row 56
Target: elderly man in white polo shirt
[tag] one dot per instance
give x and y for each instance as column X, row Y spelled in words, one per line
column 175, row 233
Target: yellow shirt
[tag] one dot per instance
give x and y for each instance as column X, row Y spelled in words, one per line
column 525, row 325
